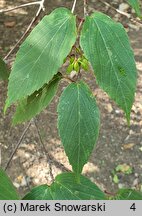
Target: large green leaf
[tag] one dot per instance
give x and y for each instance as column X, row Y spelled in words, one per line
column 78, row 123
column 7, row 190
column 65, row 187
column 128, row 194
column 136, row 6
column 35, row 103
column 106, row 45
column 3, row 70
column 42, row 54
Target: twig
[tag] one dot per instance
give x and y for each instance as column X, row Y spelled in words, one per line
column 59, row 165
column 122, row 13
column 18, row 144
column 80, row 25
column 45, row 151
column 20, row 6
column 41, row 7
column 85, row 8
column 73, row 7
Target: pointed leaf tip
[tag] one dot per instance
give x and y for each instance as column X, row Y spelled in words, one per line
column 78, row 123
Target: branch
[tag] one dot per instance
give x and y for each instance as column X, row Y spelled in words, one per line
column 122, row 13
column 41, row 7
column 85, row 8
column 20, row 6
column 17, row 145
column 80, row 25
column 73, row 7
column 49, row 160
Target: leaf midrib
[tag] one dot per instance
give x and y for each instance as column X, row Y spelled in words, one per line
column 112, row 65
column 78, row 158
column 35, row 62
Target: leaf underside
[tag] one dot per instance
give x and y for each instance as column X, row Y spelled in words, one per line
column 65, row 187
column 78, row 123
column 42, row 54
column 106, row 45
column 34, row 104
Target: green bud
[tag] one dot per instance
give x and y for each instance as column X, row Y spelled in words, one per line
column 85, row 64
column 72, row 59
column 76, row 66
column 70, row 68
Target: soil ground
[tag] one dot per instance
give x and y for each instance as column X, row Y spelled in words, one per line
column 117, row 143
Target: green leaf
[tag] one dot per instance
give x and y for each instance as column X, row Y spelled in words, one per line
column 128, row 194
column 72, row 59
column 76, row 66
column 85, row 64
column 106, row 45
column 70, row 68
column 136, row 6
column 65, row 187
column 7, row 190
column 78, row 123
column 41, row 192
column 3, row 70
column 35, row 103
column 42, row 54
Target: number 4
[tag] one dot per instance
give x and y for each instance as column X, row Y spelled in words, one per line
column 133, row 207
